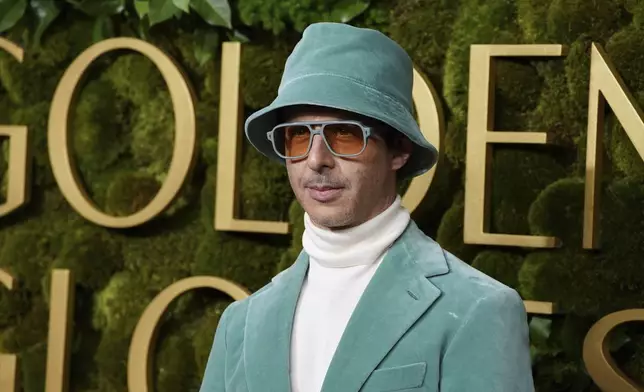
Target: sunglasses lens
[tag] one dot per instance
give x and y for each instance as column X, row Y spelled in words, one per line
column 292, row 140
column 345, row 139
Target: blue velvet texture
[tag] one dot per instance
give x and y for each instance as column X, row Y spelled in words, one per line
column 427, row 321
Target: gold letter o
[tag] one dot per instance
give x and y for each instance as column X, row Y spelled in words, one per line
column 184, row 142
column 601, row 366
column 431, row 123
column 139, row 373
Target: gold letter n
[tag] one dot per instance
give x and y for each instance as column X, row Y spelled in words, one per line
column 605, row 86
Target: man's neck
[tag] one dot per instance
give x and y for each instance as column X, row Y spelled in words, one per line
column 358, row 245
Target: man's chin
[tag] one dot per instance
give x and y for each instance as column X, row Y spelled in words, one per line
column 329, row 217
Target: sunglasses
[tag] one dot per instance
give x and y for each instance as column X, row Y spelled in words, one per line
column 343, row 138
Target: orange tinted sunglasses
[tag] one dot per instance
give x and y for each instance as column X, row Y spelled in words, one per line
column 343, row 138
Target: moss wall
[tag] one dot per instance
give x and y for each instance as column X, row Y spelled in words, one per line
column 122, row 138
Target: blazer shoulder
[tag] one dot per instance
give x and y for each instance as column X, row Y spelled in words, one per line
column 236, row 311
column 460, row 280
column 477, row 280
column 469, row 294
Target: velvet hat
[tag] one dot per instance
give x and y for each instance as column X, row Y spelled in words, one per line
column 357, row 70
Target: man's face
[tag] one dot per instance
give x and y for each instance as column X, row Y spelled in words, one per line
column 340, row 192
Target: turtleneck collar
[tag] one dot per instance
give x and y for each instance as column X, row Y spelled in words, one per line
column 360, row 245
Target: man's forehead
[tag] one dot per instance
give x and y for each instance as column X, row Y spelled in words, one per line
column 311, row 112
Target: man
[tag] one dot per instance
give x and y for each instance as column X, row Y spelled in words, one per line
column 371, row 304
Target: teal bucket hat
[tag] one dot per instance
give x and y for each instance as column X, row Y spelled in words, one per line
column 357, row 70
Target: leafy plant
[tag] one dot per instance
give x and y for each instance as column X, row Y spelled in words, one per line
column 10, row 12
column 41, row 13
column 277, row 16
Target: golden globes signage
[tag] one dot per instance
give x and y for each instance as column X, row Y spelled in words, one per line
column 605, row 87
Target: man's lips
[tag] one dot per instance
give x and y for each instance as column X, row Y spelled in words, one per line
column 324, row 194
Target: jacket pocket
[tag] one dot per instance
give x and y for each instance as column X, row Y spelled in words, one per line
column 396, row 378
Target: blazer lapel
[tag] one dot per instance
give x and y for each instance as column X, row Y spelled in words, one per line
column 398, row 294
column 268, row 330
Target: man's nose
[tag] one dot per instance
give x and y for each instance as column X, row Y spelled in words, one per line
column 319, row 157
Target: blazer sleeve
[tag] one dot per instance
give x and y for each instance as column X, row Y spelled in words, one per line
column 490, row 352
column 213, row 379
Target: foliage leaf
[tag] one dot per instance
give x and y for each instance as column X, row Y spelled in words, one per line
column 144, row 28
column 10, row 13
column 99, row 7
column 161, row 10
column 237, row 36
column 618, row 338
column 540, row 329
column 347, row 10
column 103, row 29
column 206, row 44
column 46, row 12
column 183, row 5
column 214, row 12
column 142, row 7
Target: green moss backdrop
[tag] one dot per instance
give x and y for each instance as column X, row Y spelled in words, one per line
column 122, row 127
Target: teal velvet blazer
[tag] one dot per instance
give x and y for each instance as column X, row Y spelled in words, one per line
column 427, row 321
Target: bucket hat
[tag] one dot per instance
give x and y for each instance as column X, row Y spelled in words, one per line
column 353, row 69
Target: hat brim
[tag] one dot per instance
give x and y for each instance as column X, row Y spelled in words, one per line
column 346, row 94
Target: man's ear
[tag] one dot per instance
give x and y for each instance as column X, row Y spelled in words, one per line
column 401, row 152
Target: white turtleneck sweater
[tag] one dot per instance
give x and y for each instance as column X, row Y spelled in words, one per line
column 341, row 265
